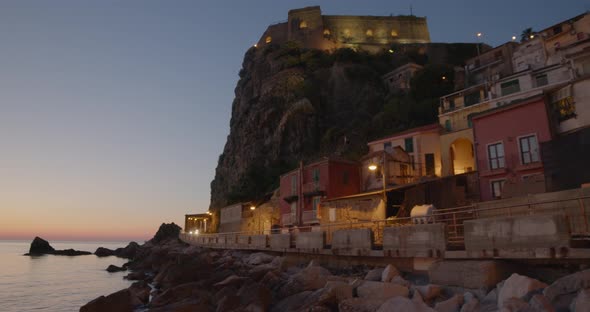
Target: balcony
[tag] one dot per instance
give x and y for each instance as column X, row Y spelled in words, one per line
column 313, row 189
column 310, row 217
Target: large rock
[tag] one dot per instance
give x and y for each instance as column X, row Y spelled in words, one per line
column 568, row 284
column 255, row 297
column 71, row 252
column 540, row 303
column 166, row 231
column 468, row 274
column 40, row 246
column 140, row 292
column 518, row 286
column 471, row 306
column 401, row 304
column 259, row 258
column 120, row 301
column 294, row 302
column 338, row 290
column 114, row 268
column 104, row 252
column 129, row 252
column 374, row 275
column 379, row 290
column 582, row 301
column 310, row 278
column 429, row 292
column 181, row 292
column 389, row 273
column 451, row 305
column 360, row 305
column 515, row 305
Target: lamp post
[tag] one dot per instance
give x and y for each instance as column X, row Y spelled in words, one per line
column 478, row 39
column 373, row 167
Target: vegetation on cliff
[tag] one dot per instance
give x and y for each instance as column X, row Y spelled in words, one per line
column 294, row 104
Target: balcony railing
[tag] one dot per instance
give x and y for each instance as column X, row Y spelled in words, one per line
column 310, row 216
column 313, row 188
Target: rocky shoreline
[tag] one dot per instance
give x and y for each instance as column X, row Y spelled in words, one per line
column 173, row 276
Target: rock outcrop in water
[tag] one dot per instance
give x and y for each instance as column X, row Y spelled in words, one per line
column 41, row 247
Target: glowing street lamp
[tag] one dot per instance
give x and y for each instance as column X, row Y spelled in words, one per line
column 373, row 167
column 252, row 207
column 478, row 39
column 513, row 38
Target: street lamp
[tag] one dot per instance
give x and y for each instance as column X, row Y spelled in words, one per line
column 478, row 39
column 373, row 167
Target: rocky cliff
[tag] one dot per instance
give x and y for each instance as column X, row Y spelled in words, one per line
column 293, row 105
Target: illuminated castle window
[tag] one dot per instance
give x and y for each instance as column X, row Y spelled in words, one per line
column 327, row 33
column 369, row 33
column 347, row 33
column 394, row 33
column 302, row 25
column 268, row 39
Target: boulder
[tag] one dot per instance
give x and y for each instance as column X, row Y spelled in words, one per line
column 187, row 305
column 224, row 292
column 228, row 303
column 429, row 292
column 338, row 290
column 515, row 305
column 178, row 293
column 294, row 302
column 518, row 286
column 401, row 281
column 233, row 280
column 582, row 301
column 166, row 232
column 40, row 246
column 471, row 306
column 104, row 252
column 540, row 303
column 259, row 258
column 256, row 296
column 401, row 304
column 120, row 301
column 310, row 278
column 568, row 284
column 468, row 274
column 71, row 252
column 370, row 289
column 136, row 276
column 140, row 292
column 360, row 305
column 389, row 273
column 114, row 268
column 129, row 252
column 451, row 305
column 374, row 275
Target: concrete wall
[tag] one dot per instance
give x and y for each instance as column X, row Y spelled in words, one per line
column 352, row 242
column 423, row 240
column 259, row 241
column 280, row 241
column 519, row 232
column 308, row 241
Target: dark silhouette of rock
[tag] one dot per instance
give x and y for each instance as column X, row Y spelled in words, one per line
column 121, row 301
column 40, row 246
column 129, row 252
column 114, row 268
column 104, row 252
column 166, row 232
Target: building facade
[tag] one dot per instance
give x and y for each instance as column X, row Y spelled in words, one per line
column 399, row 79
column 507, row 141
column 197, row 223
column 311, row 29
column 303, row 189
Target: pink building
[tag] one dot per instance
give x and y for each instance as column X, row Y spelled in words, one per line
column 302, row 190
column 507, row 141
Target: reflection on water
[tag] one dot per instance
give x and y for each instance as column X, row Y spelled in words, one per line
column 55, row 283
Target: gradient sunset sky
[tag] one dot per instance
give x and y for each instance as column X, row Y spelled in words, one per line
column 113, row 113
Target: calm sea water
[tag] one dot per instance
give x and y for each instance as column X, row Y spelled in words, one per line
column 55, row 283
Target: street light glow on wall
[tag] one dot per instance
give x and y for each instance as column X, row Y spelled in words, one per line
column 252, row 207
column 372, row 167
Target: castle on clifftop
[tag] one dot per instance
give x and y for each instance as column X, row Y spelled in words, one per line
column 328, row 32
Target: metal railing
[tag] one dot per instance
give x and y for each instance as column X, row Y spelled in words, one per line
column 575, row 209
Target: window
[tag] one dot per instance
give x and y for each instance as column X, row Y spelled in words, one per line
column 497, row 188
column 387, row 147
column 293, row 185
column 268, row 39
column 542, row 80
column 345, row 177
column 409, row 143
column 429, row 161
column 302, row 25
column 316, row 175
column 496, row 155
column 510, row 87
column 316, row 204
column 529, row 149
column 327, row 33
column 557, row 30
column 369, row 33
column 448, row 125
column 563, row 104
column 394, row 33
column 472, row 98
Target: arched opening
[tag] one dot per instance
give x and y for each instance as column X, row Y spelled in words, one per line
column 394, row 33
column 327, row 33
column 302, row 24
column 268, row 39
column 369, row 33
column 462, row 156
column 347, row 33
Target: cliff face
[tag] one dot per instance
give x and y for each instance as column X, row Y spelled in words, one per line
column 289, row 106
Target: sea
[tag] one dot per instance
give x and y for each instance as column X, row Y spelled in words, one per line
column 56, row 283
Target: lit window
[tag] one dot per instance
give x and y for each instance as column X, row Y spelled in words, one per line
column 268, row 39
column 496, row 155
column 563, row 103
column 327, row 32
column 302, row 25
column 369, row 33
column 394, row 33
column 347, row 33
column 529, row 149
column 497, row 188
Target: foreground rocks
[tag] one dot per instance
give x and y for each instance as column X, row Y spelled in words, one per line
column 41, row 247
column 173, row 276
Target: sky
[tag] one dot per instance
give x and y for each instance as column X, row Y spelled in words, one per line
column 113, row 113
